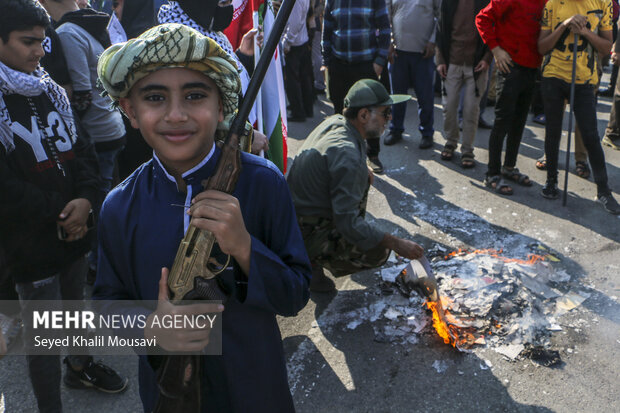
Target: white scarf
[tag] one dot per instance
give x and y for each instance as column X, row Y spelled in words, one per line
column 30, row 84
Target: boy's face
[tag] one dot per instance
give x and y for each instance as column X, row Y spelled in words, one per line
column 24, row 49
column 177, row 110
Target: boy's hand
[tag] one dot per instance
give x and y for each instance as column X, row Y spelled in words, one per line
column 74, row 217
column 220, row 213
column 503, row 59
column 179, row 339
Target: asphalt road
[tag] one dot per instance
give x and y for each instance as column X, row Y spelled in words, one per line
column 336, row 369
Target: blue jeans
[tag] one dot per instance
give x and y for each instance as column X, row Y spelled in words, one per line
column 107, row 161
column 411, row 70
column 45, row 371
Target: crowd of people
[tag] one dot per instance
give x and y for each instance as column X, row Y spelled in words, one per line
column 109, row 115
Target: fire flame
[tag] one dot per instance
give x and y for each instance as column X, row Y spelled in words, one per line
column 531, row 258
column 439, row 324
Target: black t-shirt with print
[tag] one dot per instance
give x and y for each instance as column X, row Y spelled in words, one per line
column 37, row 179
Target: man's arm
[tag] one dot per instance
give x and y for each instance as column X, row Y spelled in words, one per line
column 430, row 46
column 577, row 24
column 295, row 24
column 602, row 41
column 328, row 29
column 385, row 33
column 76, row 53
column 486, row 21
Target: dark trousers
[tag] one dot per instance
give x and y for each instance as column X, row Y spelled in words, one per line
column 613, row 127
column 538, row 107
column 342, row 75
column 410, row 69
column 514, row 95
column 299, row 81
column 45, row 371
column 555, row 92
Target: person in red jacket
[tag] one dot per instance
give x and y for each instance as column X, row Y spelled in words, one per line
column 510, row 29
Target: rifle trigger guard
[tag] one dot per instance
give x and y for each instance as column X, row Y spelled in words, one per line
column 223, row 267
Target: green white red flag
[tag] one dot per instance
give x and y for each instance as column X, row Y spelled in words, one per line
column 272, row 98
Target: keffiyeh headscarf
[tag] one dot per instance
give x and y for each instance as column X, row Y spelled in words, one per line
column 168, row 46
column 30, row 85
column 173, row 13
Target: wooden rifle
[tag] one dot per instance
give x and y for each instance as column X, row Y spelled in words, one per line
column 193, row 277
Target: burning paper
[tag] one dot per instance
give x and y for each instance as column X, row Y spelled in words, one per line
column 490, row 299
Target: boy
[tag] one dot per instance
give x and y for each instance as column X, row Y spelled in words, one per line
column 510, row 29
column 591, row 20
column 181, row 90
column 47, row 185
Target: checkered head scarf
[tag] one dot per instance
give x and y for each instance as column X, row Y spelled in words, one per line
column 166, row 46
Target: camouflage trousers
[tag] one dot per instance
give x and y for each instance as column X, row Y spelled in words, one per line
column 327, row 248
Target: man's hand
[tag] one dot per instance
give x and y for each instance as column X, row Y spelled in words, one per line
column 576, row 24
column 74, row 217
column 220, row 213
column 259, row 142
column 247, row 42
column 615, row 59
column 392, row 53
column 442, row 70
column 179, row 339
column 503, row 59
column 402, row 247
column 378, row 69
column 408, row 249
column 371, row 176
column 481, row 66
column 429, row 50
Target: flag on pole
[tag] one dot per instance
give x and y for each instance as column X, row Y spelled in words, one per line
column 272, row 96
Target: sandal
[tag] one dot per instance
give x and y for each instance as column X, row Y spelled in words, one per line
column 467, row 161
column 582, row 169
column 541, row 164
column 516, row 176
column 448, row 152
column 496, row 183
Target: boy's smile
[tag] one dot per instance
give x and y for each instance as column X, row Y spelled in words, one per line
column 177, row 110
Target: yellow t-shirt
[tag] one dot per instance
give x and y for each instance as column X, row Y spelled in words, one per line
column 559, row 62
